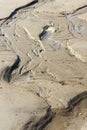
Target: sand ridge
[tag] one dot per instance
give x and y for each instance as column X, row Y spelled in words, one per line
column 43, row 65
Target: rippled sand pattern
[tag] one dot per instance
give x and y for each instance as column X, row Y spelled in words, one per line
column 43, row 65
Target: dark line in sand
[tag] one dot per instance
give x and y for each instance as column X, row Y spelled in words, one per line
column 42, row 123
column 19, row 8
column 75, row 100
column 84, row 6
column 8, row 71
column 74, row 11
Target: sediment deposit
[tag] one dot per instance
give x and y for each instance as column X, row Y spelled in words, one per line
column 43, row 65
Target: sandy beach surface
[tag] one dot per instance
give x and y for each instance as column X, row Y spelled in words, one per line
column 43, row 65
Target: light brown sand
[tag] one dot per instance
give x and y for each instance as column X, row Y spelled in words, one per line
column 52, row 68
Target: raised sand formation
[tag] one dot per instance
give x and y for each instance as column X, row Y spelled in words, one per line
column 43, row 65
